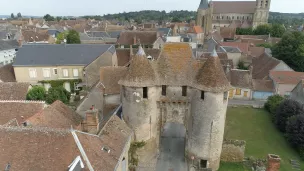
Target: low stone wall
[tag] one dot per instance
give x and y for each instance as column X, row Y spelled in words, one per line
column 233, row 151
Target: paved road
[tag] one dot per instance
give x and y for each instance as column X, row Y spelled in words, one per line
column 232, row 102
column 172, row 149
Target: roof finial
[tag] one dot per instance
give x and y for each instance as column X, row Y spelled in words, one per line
column 141, row 51
column 214, row 54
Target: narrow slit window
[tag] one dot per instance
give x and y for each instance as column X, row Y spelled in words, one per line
column 145, row 92
column 225, row 95
column 164, row 90
column 184, row 90
column 202, row 95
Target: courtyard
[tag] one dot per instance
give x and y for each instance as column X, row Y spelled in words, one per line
column 262, row 138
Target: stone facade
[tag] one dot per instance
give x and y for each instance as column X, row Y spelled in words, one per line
column 233, row 151
column 151, row 98
column 223, row 14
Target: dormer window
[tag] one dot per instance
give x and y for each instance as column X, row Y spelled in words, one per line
column 106, row 149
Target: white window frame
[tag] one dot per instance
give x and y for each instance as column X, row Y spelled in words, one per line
column 34, row 73
column 46, row 72
column 55, row 69
column 65, row 74
column 75, row 74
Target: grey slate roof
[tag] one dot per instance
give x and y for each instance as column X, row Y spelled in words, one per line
column 8, row 44
column 53, row 32
column 114, row 34
column 70, row 54
column 203, row 4
column 231, row 49
column 166, row 31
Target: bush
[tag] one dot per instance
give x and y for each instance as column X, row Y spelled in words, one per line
column 272, row 104
column 285, row 110
column 295, row 132
column 36, row 93
column 58, row 93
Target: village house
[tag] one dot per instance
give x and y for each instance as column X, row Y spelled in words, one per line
column 67, row 149
column 7, row 73
column 262, row 89
column 8, row 50
column 285, row 81
column 297, row 93
column 147, row 39
column 35, row 63
column 241, row 81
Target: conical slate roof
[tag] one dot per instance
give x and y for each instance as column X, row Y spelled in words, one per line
column 211, row 77
column 140, row 73
column 203, row 4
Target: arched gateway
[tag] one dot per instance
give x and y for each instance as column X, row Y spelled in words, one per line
column 177, row 90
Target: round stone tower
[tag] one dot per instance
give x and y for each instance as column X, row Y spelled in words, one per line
column 139, row 95
column 208, row 110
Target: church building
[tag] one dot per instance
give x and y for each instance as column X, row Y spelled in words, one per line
column 242, row 14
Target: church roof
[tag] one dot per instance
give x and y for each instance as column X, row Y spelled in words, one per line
column 243, row 7
column 203, row 4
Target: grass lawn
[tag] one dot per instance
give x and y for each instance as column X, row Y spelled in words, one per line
column 262, row 138
column 232, row 167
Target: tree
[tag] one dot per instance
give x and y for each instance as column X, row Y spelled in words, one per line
column 285, row 110
column 36, row 93
column 272, row 104
column 295, row 131
column 48, row 17
column 291, row 50
column 58, row 93
column 12, row 15
column 277, row 30
column 244, row 31
column 264, row 29
column 265, row 45
column 61, row 36
column 176, row 19
column 73, row 37
column 19, row 15
column 58, row 18
column 242, row 66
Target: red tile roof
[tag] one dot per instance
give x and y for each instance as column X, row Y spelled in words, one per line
column 13, row 90
column 197, row 29
column 286, row 77
column 57, row 115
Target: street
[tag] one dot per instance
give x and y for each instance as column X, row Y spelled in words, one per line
column 172, row 149
column 253, row 103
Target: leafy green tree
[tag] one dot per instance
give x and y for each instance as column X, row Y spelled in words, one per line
column 61, row 36
column 58, row 18
column 12, row 15
column 264, row 29
column 48, row 17
column 295, row 132
column 277, row 30
column 291, row 50
column 285, row 110
column 272, row 103
column 176, row 19
column 242, row 66
column 58, row 93
column 73, row 37
column 244, row 31
column 36, row 93
column 265, row 45
column 19, row 15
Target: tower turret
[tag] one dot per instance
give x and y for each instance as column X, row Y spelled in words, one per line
column 208, row 108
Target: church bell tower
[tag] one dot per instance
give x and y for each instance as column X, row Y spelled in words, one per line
column 204, row 15
column 261, row 12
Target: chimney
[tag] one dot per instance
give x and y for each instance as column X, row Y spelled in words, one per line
column 273, row 162
column 134, row 40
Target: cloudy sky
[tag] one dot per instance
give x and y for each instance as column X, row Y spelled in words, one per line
column 100, row 7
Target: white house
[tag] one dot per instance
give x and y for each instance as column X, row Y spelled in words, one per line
column 8, row 51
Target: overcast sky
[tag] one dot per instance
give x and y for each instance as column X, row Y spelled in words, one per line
column 100, row 7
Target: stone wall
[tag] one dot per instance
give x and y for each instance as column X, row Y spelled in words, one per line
column 233, row 151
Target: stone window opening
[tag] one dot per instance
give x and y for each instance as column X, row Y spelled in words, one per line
column 225, row 95
column 203, row 95
column 145, row 92
column 203, row 163
column 184, row 90
column 164, row 90
column 238, row 91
